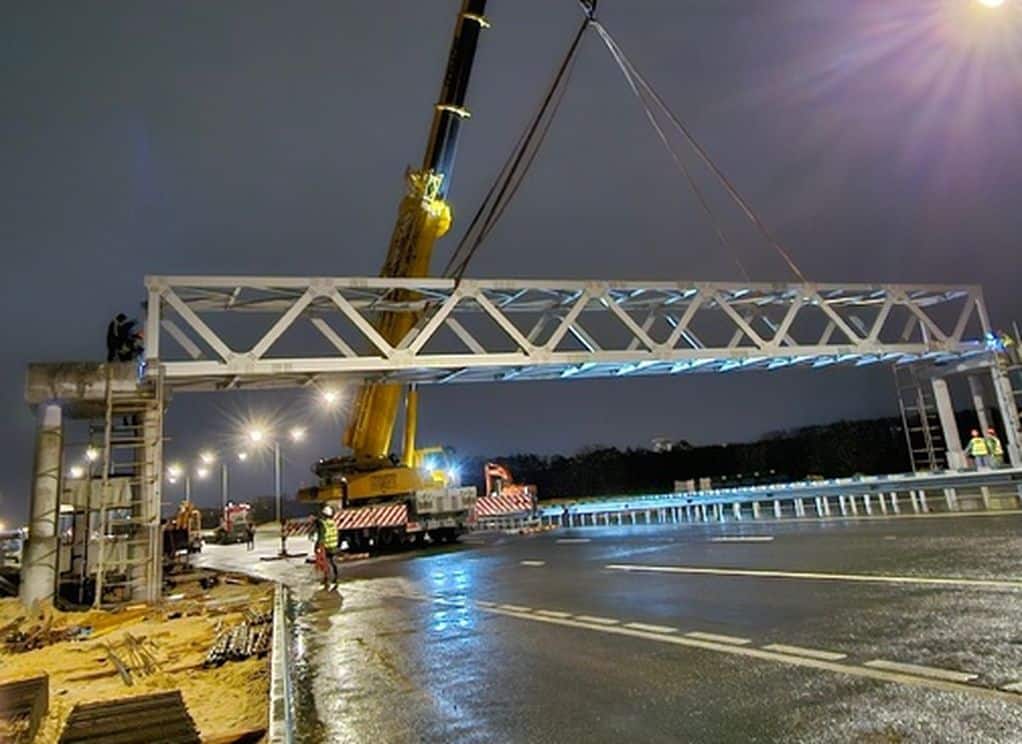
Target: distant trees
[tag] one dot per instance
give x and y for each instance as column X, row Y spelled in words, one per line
column 833, row 450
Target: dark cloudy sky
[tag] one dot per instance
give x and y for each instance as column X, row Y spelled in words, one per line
column 879, row 138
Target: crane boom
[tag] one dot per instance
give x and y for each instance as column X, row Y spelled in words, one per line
column 423, row 217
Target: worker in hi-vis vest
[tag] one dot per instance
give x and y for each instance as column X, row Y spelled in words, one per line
column 995, row 448
column 327, row 543
column 978, row 450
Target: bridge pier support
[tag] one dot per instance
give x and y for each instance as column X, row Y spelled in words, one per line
column 39, row 572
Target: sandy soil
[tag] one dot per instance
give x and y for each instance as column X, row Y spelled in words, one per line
column 231, row 698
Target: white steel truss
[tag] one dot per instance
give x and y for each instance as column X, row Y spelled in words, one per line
column 212, row 332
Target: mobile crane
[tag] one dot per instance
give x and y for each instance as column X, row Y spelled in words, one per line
column 371, row 485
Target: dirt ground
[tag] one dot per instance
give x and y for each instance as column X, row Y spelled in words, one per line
column 225, row 700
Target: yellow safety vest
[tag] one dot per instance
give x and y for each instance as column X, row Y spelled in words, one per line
column 994, row 443
column 329, row 534
column 978, row 447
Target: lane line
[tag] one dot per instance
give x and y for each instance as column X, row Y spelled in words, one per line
column 923, row 671
column 719, row 638
column 743, row 539
column 882, row 675
column 1009, row 693
column 515, row 608
column 573, row 540
column 596, row 619
column 651, row 628
column 771, row 574
column 532, row 563
column 553, row 613
column 812, row 653
column 484, row 603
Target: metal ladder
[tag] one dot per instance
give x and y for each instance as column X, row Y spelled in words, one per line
column 923, row 433
column 132, row 461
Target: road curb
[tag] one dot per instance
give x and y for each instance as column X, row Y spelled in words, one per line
column 281, row 708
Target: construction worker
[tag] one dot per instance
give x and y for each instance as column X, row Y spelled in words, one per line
column 327, row 542
column 978, row 450
column 115, row 336
column 995, row 448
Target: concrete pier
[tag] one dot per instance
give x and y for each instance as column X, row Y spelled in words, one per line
column 39, row 569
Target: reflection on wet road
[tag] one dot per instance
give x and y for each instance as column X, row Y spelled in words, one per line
column 886, row 631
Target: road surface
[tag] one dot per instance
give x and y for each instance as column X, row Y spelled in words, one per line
column 902, row 630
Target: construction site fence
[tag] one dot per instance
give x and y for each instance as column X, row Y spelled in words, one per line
column 946, row 492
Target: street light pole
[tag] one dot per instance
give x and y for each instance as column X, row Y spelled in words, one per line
column 223, row 487
column 277, row 496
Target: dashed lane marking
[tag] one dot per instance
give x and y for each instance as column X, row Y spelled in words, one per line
column 882, row 671
column 533, row 563
column 812, row 653
column 573, row 540
column 812, row 576
column 880, row 674
column 743, row 539
column 922, row 671
column 719, row 638
column 515, row 608
column 651, row 628
column 553, row 613
column 596, row 619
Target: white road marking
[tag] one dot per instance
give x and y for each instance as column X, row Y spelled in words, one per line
column 553, row 613
column 922, row 671
column 484, row 603
column 1013, row 687
column 719, row 638
column 853, row 670
column 743, row 539
column 812, row 653
column 596, row 619
column 573, row 540
column 533, row 563
column 652, row 628
column 515, row 608
column 769, row 574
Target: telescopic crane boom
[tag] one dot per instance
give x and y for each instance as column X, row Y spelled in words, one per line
column 423, row 217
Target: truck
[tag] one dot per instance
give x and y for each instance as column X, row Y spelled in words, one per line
column 235, row 522
column 380, row 498
column 504, row 497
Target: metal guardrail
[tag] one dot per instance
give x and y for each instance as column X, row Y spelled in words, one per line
column 883, row 495
column 281, row 685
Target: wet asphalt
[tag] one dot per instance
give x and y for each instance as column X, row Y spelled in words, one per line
column 585, row 635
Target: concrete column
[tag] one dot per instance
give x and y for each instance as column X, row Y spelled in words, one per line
column 39, row 570
column 1005, row 397
column 978, row 401
column 946, row 412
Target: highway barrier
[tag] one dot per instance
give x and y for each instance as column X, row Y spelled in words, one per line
column 281, row 684
column 838, row 498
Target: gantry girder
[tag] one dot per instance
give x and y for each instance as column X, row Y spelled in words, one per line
column 211, row 332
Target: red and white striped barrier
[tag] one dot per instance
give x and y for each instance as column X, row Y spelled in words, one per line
column 501, row 505
column 387, row 515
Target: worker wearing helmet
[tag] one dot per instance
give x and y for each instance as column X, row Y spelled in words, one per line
column 979, row 450
column 995, row 448
column 327, row 543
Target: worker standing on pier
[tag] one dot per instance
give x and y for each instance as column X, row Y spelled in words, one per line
column 994, row 448
column 979, row 450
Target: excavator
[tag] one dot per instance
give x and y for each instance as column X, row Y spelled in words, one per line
column 370, row 485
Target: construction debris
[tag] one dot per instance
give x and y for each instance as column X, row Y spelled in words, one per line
column 22, row 707
column 249, row 638
column 161, row 717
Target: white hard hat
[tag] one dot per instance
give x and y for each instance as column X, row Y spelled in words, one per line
column 328, row 511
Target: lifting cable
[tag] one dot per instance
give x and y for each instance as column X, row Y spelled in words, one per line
column 647, row 95
column 517, row 165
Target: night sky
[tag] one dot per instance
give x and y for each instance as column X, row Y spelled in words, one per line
column 880, row 139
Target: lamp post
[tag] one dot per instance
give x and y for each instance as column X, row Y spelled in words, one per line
column 259, row 437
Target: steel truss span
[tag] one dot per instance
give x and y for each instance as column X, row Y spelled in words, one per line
column 212, row 332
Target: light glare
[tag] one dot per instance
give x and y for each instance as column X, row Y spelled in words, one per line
column 77, row 471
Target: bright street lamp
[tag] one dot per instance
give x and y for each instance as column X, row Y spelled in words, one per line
column 992, row 3
column 256, row 435
column 91, row 454
column 242, row 456
column 297, row 434
column 208, row 457
column 77, row 471
column 331, row 398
